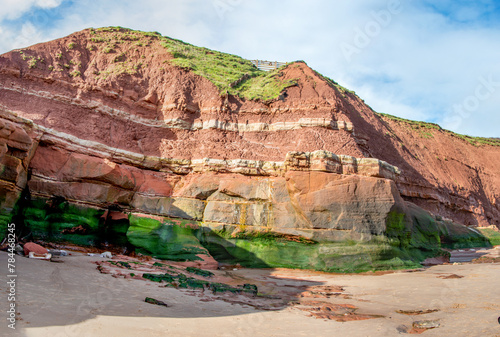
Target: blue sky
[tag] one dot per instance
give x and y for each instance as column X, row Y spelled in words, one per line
column 437, row 61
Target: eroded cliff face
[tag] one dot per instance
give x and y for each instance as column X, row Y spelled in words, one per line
column 115, row 141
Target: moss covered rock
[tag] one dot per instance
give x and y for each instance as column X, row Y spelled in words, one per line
column 411, row 235
column 59, row 220
column 165, row 238
column 264, row 250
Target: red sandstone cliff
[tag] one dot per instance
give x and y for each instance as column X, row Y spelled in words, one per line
column 124, row 125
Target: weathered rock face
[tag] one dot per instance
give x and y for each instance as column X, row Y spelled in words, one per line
column 352, row 203
column 189, row 174
column 16, row 150
column 295, row 199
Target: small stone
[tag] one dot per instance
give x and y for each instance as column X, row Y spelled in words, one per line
column 428, row 324
column 154, row 301
column 402, row 329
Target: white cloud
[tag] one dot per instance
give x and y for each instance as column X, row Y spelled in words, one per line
column 12, row 9
column 48, row 3
column 27, row 35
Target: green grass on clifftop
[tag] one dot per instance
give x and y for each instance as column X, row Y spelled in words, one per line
column 425, row 129
column 229, row 73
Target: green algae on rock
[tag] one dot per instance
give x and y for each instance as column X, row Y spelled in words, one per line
column 200, row 272
column 58, row 220
column 493, row 235
column 155, row 301
column 402, row 246
column 180, row 280
column 165, row 239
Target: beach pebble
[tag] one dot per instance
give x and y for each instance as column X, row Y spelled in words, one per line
column 428, row 324
column 57, row 252
column 19, row 250
column 107, row 255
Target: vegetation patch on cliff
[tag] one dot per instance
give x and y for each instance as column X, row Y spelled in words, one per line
column 334, row 84
column 231, row 74
column 425, row 130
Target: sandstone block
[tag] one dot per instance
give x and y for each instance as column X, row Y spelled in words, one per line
column 331, row 201
column 81, row 191
column 19, row 139
column 224, row 212
column 10, row 168
column 199, row 186
column 256, row 214
column 186, row 208
column 148, row 204
column 8, row 195
column 246, row 188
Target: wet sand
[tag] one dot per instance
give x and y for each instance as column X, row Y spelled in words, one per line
column 72, row 298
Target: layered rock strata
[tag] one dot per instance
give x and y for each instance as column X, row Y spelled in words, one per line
column 325, row 198
column 196, row 171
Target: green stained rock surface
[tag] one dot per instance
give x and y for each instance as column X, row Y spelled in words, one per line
column 5, row 219
column 411, row 235
column 261, row 252
column 429, row 234
column 155, row 301
column 200, row 272
column 180, row 280
column 59, row 220
column 165, row 239
column 492, row 235
column 55, row 220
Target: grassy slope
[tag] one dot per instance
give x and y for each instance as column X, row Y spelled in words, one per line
column 425, row 130
column 229, row 73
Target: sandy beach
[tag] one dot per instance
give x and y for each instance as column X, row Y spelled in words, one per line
column 71, row 298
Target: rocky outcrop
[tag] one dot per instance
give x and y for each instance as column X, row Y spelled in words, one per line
column 16, row 151
column 307, row 191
